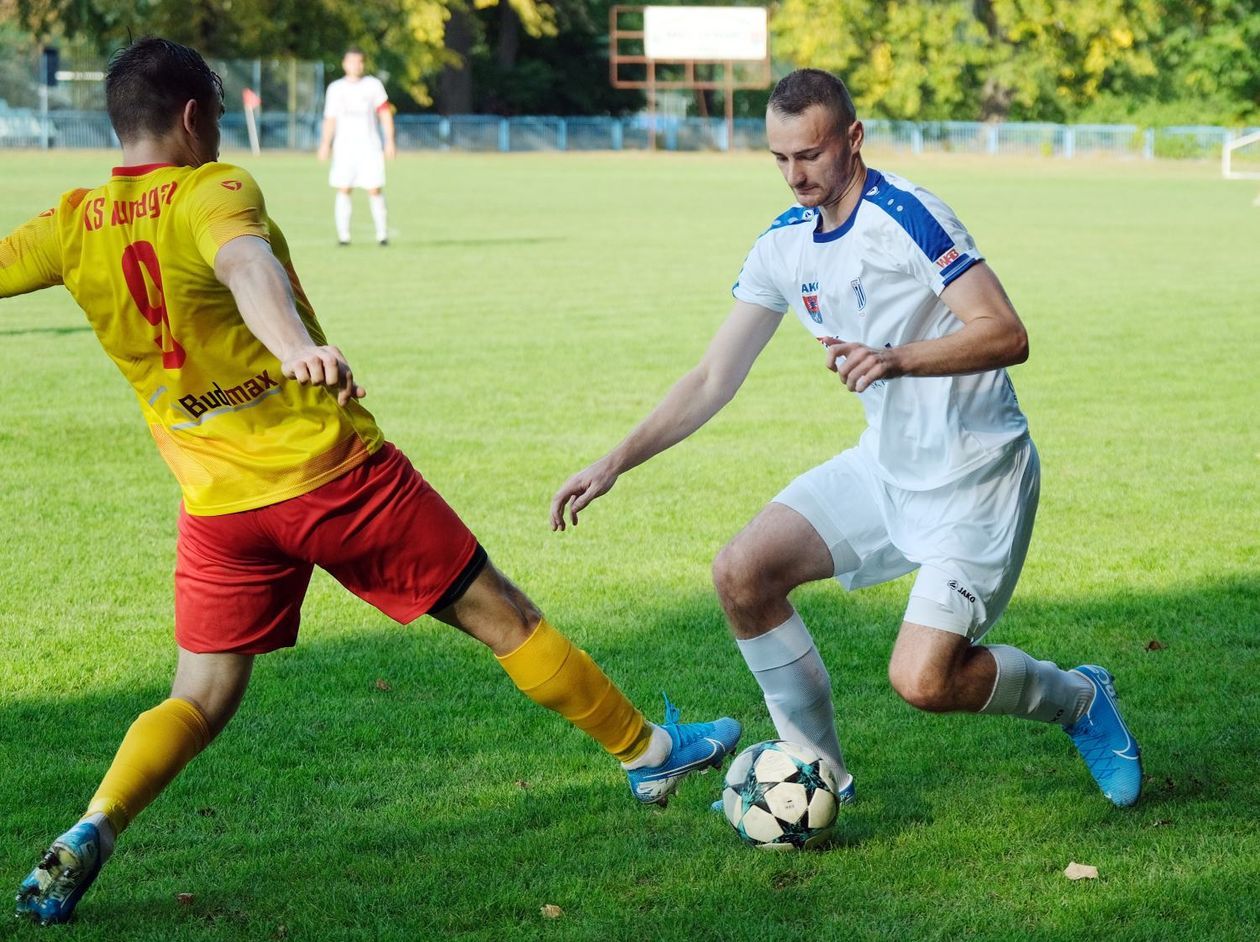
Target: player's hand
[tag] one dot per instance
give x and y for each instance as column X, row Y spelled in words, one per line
column 390, row 150
column 580, row 490
column 323, row 366
column 858, row 365
column 324, row 152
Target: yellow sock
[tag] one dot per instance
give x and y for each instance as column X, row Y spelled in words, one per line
column 553, row 672
column 157, row 746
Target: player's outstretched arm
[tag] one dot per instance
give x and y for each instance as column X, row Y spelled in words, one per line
column 693, row 400
column 992, row 337
column 30, row 258
column 263, row 295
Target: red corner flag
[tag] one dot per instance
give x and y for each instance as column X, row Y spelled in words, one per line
column 250, row 99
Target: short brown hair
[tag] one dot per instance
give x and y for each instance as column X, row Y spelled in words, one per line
column 148, row 83
column 798, row 90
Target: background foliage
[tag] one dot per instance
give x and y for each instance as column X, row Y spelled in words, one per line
column 1152, row 61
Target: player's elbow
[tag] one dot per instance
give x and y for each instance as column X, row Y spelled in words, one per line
column 1018, row 346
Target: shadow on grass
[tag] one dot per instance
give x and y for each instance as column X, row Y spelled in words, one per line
column 344, row 733
column 488, row 240
column 21, row 331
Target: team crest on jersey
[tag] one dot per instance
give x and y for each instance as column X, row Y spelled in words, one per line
column 860, row 293
column 231, row 184
column 809, row 297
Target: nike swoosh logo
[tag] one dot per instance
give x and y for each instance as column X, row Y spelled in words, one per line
column 716, row 747
column 1129, row 744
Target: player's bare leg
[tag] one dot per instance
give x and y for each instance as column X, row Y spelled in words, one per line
column 553, row 672
column 205, row 694
column 776, row 552
column 940, row 671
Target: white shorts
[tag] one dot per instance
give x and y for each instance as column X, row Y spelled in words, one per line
column 358, row 166
column 968, row 538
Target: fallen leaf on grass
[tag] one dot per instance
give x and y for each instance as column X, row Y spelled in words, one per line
column 551, row 911
column 1154, row 645
column 184, row 899
column 382, row 684
column 521, row 783
column 1075, row 871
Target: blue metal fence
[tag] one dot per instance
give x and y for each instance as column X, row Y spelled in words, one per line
column 25, row 128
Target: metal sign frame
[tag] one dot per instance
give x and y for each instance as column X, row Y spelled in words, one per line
column 626, row 49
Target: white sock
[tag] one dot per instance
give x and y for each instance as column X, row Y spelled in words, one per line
column 797, row 689
column 657, row 752
column 341, row 216
column 106, row 830
column 377, row 205
column 1036, row 690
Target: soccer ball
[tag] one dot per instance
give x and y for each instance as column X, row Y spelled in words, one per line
column 780, row 796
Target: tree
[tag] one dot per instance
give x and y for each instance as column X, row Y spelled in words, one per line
column 1029, row 59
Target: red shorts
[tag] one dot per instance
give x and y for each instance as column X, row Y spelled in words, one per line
column 380, row 530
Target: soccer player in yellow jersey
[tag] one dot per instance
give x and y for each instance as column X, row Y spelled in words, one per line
column 190, row 289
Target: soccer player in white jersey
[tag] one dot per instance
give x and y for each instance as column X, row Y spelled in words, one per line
column 356, row 114
column 943, row 480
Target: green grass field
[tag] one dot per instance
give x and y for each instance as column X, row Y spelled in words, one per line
column 389, row 783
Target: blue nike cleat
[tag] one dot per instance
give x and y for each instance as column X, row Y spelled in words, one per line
column 51, row 891
column 695, row 747
column 1110, row 752
column 846, row 796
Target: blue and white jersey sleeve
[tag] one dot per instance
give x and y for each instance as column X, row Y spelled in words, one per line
column 938, row 248
column 757, row 283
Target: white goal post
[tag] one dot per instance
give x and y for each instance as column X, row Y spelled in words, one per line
column 1241, row 166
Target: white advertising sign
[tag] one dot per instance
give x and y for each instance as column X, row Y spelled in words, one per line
column 717, row 33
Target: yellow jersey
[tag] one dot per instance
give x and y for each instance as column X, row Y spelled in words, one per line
column 138, row 256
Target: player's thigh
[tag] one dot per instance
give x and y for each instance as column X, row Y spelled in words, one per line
column 922, row 651
column 343, row 169
column 847, row 506
column 971, row 538
column 236, row 591
column 387, row 535
column 776, row 551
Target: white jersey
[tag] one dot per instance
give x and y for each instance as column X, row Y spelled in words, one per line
column 355, row 105
column 876, row 280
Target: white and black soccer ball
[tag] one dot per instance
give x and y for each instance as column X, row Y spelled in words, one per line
column 780, row 796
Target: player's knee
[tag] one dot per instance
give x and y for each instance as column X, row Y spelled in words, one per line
column 923, row 688
column 515, row 604
column 216, row 703
column 736, row 579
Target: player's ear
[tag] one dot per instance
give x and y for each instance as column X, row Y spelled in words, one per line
column 857, row 134
column 190, row 116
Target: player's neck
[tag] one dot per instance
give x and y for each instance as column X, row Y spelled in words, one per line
column 834, row 214
column 149, row 150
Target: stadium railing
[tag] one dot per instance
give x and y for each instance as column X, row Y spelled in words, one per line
column 27, row 128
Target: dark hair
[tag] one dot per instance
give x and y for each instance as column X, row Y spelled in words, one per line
column 354, row 51
column 148, row 83
column 798, row 90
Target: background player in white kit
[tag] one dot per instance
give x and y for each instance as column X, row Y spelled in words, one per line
column 353, row 107
column 945, row 478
